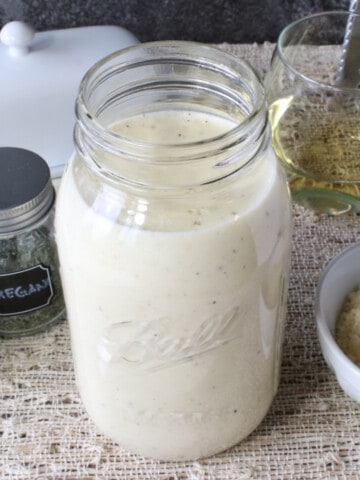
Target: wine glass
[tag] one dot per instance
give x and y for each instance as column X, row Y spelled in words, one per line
column 314, row 108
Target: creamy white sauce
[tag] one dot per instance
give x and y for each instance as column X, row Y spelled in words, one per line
column 176, row 333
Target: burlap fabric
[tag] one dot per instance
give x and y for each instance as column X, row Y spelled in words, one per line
column 312, row 430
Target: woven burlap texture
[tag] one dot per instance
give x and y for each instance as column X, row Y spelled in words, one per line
column 312, row 430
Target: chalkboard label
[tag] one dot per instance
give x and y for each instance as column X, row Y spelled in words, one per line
column 25, row 290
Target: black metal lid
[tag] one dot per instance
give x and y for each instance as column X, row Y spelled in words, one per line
column 26, row 190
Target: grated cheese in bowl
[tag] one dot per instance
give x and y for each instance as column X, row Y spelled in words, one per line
column 347, row 332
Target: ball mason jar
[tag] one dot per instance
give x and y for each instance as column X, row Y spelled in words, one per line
column 173, row 224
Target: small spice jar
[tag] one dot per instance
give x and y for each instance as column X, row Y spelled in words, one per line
column 31, row 296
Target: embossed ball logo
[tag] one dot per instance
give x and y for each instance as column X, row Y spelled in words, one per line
column 152, row 345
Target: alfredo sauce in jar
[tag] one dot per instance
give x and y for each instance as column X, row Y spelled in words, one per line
column 173, row 229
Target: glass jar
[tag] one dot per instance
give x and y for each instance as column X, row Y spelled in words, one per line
column 173, row 227
column 31, row 296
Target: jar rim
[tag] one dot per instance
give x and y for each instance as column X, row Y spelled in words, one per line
column 123, row 58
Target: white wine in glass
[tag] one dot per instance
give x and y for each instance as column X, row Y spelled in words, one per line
column 315, row 118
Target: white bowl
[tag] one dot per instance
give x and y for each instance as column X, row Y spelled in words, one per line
column 341, row 276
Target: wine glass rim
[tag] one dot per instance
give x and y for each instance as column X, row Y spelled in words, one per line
column 280, row 49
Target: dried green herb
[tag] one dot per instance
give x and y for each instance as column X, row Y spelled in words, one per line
column 21, row 257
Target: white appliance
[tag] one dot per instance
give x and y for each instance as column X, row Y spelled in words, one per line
column 40, row 76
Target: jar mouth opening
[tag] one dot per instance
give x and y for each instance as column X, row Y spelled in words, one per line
column 244, row 89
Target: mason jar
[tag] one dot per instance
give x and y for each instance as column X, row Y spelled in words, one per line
column 173, row 225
